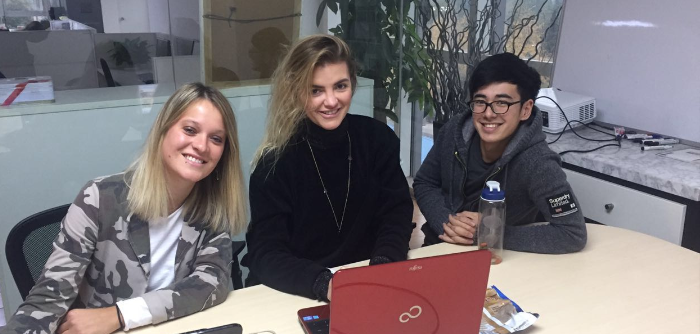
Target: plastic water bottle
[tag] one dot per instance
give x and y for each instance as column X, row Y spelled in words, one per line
column 492, row 213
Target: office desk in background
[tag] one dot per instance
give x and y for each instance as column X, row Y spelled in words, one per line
column 622, row 282
column 68, row 57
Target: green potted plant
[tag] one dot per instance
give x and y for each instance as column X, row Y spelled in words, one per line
column 130, row 52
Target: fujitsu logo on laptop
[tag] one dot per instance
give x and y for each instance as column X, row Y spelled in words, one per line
column 415, row 267
column 406, row 316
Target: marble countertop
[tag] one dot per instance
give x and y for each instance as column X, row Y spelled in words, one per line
column 630, row 163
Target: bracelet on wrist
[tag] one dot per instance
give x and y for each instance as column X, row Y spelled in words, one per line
column 119, row 317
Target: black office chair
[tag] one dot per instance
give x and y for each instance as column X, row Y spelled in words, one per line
column 55, row 13
column 236, row 272
column 30, row 244
column 108, row 74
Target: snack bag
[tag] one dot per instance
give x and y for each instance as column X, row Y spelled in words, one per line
column 502, row 316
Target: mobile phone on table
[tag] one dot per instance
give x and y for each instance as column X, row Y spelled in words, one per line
column 315, row 320
column 225, row 329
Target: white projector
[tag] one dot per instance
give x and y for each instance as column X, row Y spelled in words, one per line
column 576, row 108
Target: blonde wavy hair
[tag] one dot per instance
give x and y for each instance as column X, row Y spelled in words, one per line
column 291, row 88
column 218, row 204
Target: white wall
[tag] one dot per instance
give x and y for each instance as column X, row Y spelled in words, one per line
column 158, row 18
column 110, row 16
column 125, row 16
column 185, row 19
column 152, row 16
column 309, row 8
column 638, row 58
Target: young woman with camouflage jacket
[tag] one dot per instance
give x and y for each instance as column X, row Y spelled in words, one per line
column 150, row 244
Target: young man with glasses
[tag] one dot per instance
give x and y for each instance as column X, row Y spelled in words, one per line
column 500, row 138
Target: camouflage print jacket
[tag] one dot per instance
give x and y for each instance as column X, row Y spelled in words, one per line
column 102, row 255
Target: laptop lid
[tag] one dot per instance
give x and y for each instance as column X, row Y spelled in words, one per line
column 440, row 294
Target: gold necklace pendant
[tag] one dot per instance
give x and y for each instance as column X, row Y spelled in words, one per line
column 325, row 191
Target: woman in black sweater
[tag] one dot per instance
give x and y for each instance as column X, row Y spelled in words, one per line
column 327, row 188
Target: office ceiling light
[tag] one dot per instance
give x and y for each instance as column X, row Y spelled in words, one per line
column 635, row 24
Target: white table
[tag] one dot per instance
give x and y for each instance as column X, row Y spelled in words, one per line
column 622, row 282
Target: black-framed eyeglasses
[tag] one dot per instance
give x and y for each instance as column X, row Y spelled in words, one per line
column 498, row 107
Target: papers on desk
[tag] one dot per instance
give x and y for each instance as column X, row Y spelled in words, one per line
column 687, row 155
column 25, row 90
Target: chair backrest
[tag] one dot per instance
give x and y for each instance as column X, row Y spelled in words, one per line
column 107, row 73
column 30, row 244
column 236, row 272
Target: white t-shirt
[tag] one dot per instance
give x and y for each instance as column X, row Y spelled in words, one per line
column 164, row 234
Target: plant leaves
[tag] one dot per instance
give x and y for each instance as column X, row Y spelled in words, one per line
column 381, row 97
column 333, row 6
column 337, row 31
column 383, row 112
column 372, row 28
column 343, row 4
column 387, row 48
column 406, row 7
column 319, row 13
column 411, row 31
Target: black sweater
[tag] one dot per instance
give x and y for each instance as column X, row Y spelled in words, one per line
column 293, row 238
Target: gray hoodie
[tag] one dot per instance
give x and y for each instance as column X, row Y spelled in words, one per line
column 533, row 182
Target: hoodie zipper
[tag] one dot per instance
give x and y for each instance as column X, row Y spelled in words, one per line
column 464, row 179
column 490, row 176
column 484, row 186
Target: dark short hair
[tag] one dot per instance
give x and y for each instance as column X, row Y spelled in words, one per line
column 506, row 67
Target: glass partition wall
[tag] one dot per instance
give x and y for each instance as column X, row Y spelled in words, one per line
column 244, row 40
column 81, row 82
column 17, row 14
column 86, row 44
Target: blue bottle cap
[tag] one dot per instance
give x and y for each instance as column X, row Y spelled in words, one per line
column 493, row 192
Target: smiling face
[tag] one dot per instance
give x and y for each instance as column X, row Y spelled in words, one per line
column 193, row 145
column 330, row 96
column 496, row 130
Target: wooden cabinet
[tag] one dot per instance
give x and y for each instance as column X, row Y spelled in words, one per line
column 620, row 206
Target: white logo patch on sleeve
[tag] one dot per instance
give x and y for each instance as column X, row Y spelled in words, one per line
column 562, row 205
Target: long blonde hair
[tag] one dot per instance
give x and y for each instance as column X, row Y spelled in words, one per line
column 218, row 201
column 291, row 87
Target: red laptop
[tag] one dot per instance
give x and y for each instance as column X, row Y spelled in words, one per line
column 441, row 294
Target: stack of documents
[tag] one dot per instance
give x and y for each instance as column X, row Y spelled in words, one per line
column 26, row 90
